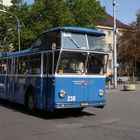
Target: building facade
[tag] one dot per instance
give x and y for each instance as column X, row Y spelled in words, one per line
column 5, row 2
column 106, row 26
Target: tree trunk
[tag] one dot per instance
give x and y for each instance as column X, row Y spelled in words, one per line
column 133, row 71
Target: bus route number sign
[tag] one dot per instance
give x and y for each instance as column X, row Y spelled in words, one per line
column 71, row 98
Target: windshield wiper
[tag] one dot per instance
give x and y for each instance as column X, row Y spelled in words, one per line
column 73, row 41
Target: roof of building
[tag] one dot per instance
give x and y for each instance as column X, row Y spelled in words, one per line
column 109, row 22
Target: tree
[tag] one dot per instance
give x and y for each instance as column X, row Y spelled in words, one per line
column 6, row 31
column 138, row 18
column 129, row 46
column 86, row 12
column 46, row 14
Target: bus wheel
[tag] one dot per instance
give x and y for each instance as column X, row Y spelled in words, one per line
column 31, row 103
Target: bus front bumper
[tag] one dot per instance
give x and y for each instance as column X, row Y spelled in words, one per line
column 80, row 104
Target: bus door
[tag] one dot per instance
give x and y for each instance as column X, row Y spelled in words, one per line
column 11, row 80
column 45, row 79
column 48, row 69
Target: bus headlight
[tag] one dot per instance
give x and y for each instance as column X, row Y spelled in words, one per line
column 62, row 94
column 101, row 92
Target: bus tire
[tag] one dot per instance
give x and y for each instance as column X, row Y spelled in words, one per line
column 30, row 103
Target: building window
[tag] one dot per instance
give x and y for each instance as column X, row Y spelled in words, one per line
column 109, row 64
column 101, row 31
column 109, row 33
column 110, row 47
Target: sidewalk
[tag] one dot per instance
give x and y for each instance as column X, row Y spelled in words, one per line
column 120, row 87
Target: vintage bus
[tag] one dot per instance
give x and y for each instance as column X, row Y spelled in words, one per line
column 64, row 68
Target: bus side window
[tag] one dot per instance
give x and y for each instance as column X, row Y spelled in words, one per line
column 23, row 65
column 9, row 66
column 51, row 38
column 0, row 66
column 15, row 64
column 53, row 59
column 38, row 43
column 3, row 66
column 50, row 63
column 35, row 64
column 45, row 63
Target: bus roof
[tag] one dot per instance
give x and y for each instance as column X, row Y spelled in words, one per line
column 22, row 52
column 77, row 30
column 64, row 28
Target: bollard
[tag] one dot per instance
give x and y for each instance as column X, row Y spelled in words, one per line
column 109, row 85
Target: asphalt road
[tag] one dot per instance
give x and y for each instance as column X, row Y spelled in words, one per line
column 119, row 120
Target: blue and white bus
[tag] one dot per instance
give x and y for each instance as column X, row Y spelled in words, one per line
column 64, row 68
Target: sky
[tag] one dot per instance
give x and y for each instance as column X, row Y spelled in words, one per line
column 125, row 12
column 29, row 1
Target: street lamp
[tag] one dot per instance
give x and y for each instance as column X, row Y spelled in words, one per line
column 17, row 27
column 114, row 43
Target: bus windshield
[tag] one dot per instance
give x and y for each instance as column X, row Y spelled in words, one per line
column 96, row 63
column 72, row 62
column 83, row 41
column 78, row 63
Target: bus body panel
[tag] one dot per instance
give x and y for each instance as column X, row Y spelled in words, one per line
column 48, row 93
column 35, row 83
column 79, row 92
column 19, row 87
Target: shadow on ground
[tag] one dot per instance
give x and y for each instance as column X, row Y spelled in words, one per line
column 57, row 114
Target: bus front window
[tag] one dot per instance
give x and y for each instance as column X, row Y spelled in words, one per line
column 96, row 63
column 71, row 63
column 96, row 43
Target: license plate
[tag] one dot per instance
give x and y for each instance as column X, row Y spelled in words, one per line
column 84, row 104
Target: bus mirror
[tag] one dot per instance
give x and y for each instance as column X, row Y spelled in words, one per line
column 53, row 46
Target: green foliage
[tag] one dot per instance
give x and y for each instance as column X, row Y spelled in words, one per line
column 43, row 15
column 6, row 32
column 129, row 47
column 86, row 12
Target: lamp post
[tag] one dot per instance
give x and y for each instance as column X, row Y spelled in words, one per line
column 114, row 43
column 17, row 25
